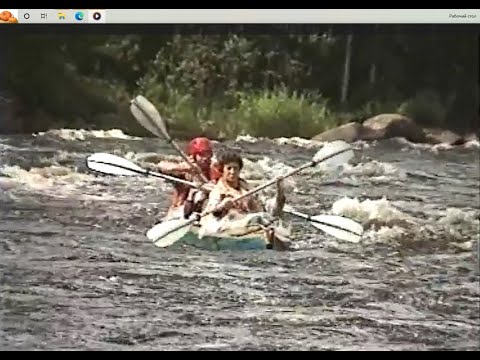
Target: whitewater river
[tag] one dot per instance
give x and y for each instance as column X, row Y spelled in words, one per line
column 76, row 271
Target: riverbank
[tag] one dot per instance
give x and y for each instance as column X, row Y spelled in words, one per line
column 268, row 115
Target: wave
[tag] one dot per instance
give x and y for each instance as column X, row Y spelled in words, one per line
column 45, row 177
column 372, row 213
column 82, row 134
column 383, row 223
column 360, row 144
column 376, row 170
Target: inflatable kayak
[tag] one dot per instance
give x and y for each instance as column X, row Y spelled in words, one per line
column 244, row 236
column 253, row 241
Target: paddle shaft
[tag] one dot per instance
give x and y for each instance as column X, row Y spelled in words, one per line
column 147, row 173
column 259, row 188
column 192, row 164
column 175, row 179
column 290, row 173
column 169, row 139
column 170, row 178
column 312, row 219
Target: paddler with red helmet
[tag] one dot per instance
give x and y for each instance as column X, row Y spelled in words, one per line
column 186, row 200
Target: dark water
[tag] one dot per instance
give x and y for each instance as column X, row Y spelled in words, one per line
column 78, row 273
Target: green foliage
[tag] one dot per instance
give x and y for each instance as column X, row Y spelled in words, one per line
column 263, row 85
column 375, row 107
column 426, row 108
column 279, row 112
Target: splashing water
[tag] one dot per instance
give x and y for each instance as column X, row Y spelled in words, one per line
column 79, row 273
column 82, row 135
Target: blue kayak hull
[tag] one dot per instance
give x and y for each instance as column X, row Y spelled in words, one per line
column 255, row 241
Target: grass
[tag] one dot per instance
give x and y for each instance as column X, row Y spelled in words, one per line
column 262, row 113
column 267, row 113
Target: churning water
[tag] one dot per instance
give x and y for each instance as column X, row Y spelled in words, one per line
column 77, row 272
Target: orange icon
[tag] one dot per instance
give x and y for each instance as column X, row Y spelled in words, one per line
column 7, row 17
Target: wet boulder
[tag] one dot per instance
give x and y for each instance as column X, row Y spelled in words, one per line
column 349, row 132
column 385, row 126
column 442, row 136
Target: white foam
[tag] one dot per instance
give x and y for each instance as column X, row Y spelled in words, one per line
column 81, row 134
column 247, row 138
column 384, row 234
column 455, row 216
column 441, row 147
column 377, row 170
column 465, row 246
column 265, row 169
column 357, row 145
column 44, row 178
column 362, row 144
column 61, row 183
column 7, row 183
column 380, row 211
column 403, row 141
column 298, row 141
column 455, row 226
column 435, row 148
column 64, row 155
column 301, row 142
column 472, row 144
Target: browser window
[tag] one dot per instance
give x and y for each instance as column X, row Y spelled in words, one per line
column 239, row 179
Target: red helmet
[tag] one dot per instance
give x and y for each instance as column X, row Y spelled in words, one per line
column 199, row 145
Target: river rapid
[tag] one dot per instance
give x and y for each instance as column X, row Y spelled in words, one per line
column 77, row 272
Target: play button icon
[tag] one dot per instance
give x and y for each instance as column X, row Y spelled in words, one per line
column 96, row 16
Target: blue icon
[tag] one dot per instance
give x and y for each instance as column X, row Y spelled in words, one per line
column 79, row 15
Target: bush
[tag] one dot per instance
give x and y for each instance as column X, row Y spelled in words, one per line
column 280, row 113
column 229, row 84
column 425, row 108
column 268, row 113
column 374, row 108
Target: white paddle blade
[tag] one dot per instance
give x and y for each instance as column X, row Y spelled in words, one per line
column 289, row 209
column 113, row 165
column 162, row 236
column 148, row 116
column 340, row 227
column 344, row 150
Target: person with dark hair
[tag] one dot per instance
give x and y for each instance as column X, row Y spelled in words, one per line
column 231, row 185
column 229, row 215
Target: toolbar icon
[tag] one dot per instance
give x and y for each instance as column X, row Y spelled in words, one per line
column 96, row 16
column 79, row 16
column 61, row 16
column 8, row 16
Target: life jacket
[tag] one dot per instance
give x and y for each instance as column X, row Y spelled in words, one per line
column 183, row 195
column 243, row 206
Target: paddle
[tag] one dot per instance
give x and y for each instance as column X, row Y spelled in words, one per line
column 148, row 116
column 168, row 232
column 338, row 226
column 115, row 165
